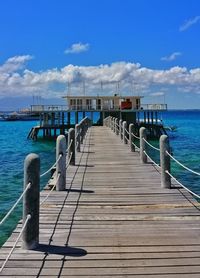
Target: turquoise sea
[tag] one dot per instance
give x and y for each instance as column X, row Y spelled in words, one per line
column 185, row 143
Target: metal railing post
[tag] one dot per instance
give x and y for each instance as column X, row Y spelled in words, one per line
column 31, row 201
column 131, row 137
column 61, row 165
column 143, row 157
column 71, row 140
column 165, row 161
column 124, row 132
column 120, row 129
column 78, row 138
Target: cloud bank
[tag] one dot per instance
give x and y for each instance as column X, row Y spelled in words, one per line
column 17, row 79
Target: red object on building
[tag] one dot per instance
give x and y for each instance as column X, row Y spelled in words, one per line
column 126, row 104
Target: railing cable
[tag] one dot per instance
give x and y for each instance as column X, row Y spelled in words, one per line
column 135, row 146
column 16, row 203
column 59, row 157
column 135, row 136
column 41, row 203
column 127, row 139
column 193, row 193
column 14, row 245
column 152, row 160
column 157, row 149
column 185, row 167
column 70, row 144
column 69, row 160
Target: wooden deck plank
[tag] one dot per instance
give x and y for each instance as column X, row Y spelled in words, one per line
column 113, row 220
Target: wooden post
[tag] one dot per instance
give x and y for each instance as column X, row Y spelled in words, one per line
column 124, row 132
column 120, row 129
column 116, row 127
column 165, row 161
column 143, row 157
column 61, row 165
column 71, row 138
column 31, row 201
column 131, row 137
column 78, row 138
column 111, row 123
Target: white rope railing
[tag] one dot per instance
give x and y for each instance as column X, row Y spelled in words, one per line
column 135, row 136
column 16, row 203
column 185, row 167
column 77, row 135
column 126, row 138
column 49, row 170
column 193, row 193
column 152, row 160
column 70, row 144
column 69, row 160
column 52, row 189
column 126, row 131
column 153, row 147
column 135, row 146
column 14, row 245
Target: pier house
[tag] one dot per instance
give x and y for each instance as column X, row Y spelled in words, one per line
column 57, row 119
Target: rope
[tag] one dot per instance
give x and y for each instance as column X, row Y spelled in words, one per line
column 50, row 190
column 70, row 144
column 135, row 136
column 135, row 146
column 69, row 160
column 152, row 160
column 16, row 203
column 194, row 194
column 59, row 157
column 126, row 131
column 126, row 138
column 14, row 245
column 77, row 135
column 157, row 149
column 185, row 167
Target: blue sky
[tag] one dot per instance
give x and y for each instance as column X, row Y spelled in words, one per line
column 148, row 47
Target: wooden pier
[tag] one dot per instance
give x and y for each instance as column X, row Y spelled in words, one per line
column 113, row 220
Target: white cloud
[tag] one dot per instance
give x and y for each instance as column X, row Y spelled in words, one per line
column 171, row 57
column 132, row 77
column 77, row 48
column 188, row 23
column 15, row 63
column 157, row 94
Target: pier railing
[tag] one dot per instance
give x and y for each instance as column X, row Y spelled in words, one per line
column 127, row 136
column 66, row 149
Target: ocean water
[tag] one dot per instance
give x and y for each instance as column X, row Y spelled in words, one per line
column 13, row 149
column 185, row 144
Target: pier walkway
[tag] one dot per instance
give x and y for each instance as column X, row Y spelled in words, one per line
column 113, row 220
